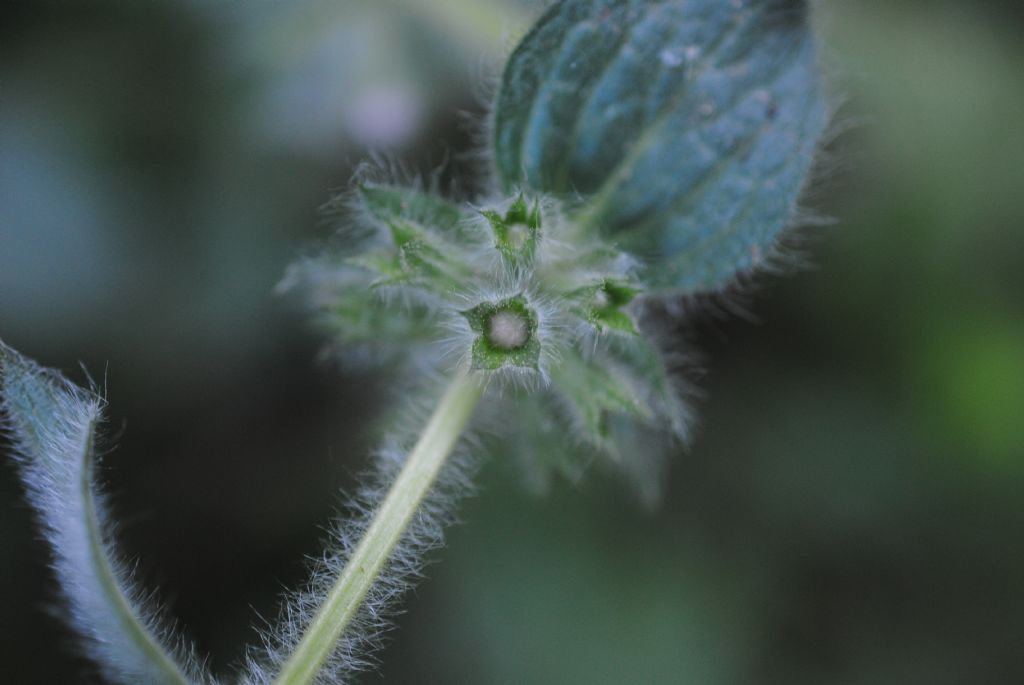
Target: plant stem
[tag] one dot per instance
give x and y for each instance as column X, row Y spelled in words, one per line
column 387, row 527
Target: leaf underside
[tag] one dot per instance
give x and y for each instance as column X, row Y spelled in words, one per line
column 686, row 127
column 52, row 426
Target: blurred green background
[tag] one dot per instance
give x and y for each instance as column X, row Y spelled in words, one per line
column 852, row 510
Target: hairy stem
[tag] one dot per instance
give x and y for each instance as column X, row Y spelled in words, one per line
column 387, row 527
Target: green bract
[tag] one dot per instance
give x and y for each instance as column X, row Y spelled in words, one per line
column 517, row 232
column 604, row 305
column 686, row 128
column 550, row 310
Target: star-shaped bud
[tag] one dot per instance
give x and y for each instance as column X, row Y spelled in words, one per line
column 517, row 232
column 604, row 305
column 506, row 334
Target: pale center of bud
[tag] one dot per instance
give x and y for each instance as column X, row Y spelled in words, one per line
column 518, row 235
column 508, row 330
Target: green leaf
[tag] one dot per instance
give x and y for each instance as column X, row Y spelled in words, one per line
column 423, row 234
column 417, row 256
column 52, row 424
column 389, row 204
column 688, row 126
column 360, row 316
column 594, row 391
column 539, row 438
column 650, row 376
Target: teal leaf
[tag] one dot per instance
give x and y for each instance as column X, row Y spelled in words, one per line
column 687, row 127
column 52, row 425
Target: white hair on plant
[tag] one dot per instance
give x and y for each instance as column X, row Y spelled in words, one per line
column 548, row 239
column 354, row 651
column 531, row 295
column 52, row 425
column 550, row 331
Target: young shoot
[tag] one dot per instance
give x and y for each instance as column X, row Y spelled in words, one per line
column 643, row 150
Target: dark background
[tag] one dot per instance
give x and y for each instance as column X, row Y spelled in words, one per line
column 851, row 510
